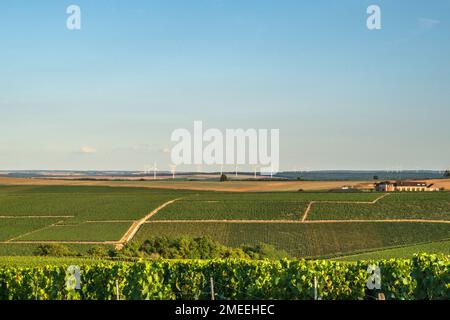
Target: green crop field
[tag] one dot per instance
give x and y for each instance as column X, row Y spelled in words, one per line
column 440, row 247
column 305, row 240
column 252, row 206
column 98, row 231
column 29, row 249
column 284, row 196
column 229, row 210
column 11, row 228
column 431, row 205
column 82, row 203
column 43, row 261
column 27, row 213
column 87, row 215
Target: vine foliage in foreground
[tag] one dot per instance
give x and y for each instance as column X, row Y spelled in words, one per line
column 423, row 277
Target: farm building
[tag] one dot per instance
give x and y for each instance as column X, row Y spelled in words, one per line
column 388, row 186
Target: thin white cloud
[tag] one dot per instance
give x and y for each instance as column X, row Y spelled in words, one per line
column 154, row 148
column 88, row 150
column 427, row 23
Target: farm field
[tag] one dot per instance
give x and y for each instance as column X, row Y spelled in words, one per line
column 435, row 205
column 74, row 213
column 305, row 224
column 440, row 247
column 283, row 196
column 28, row 250
column 43, row 261
column 98, row 231
column 252, row 206
column 304, row 239
column 251, row 210
column 80, row 204
column 229, row 186
column 11, row 228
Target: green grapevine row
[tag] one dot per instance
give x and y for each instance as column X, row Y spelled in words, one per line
column 423, row 277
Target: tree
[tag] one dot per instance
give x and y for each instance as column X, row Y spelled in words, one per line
column 196, row 248
column 223, row 178
column 447, row 173
column 375, row 177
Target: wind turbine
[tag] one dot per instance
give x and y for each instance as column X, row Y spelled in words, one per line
column 155, row 169
column 254, row 168
column 221, row 170
column 236, row 173
column 173, row 170
column 147, row 169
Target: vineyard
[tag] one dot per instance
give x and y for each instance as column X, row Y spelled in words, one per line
column 10, row 228
column 434, row 247
column 283, row 196
column 397, row 206
column 90, row 231
column 304, row 224
column 304, row 239
column 63, row 213
column 79, row 204
column 244, row 210
column 423, row 277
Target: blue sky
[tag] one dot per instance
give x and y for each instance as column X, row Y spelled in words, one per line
column 109, row 95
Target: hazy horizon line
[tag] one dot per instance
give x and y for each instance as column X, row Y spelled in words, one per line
column 218, row 171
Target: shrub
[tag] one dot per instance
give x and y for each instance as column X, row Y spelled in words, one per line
column 53, row 249
column 197, row 248
column 264, row 251
column 185, row 248
column 98, row 251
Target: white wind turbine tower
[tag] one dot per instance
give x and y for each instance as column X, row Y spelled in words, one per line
column 155, row 169
column 254, row 168
column 236, row 172
column 147, row 169
column 221, row 170
column 173, row 170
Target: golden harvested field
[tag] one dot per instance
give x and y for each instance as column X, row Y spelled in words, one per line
column 440, row 183
column 235, row 186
